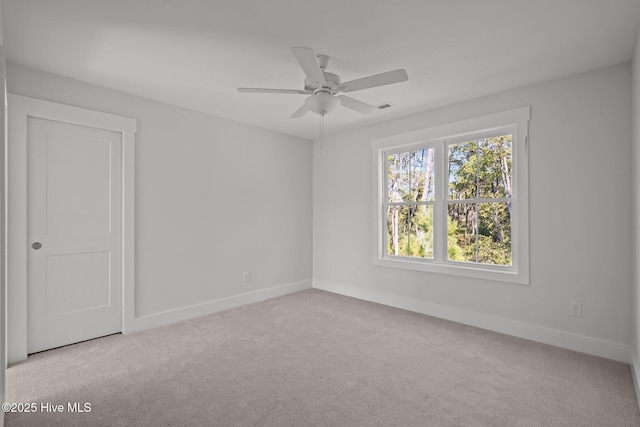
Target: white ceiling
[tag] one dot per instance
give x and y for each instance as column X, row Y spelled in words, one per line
column 195, row 53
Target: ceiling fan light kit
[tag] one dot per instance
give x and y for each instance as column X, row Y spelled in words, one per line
column 322, row 103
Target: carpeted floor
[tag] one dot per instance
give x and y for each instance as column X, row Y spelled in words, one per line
column 318, row 359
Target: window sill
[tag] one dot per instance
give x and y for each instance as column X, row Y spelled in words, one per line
column 504, row 274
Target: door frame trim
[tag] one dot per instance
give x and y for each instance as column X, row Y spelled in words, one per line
column 20, row 108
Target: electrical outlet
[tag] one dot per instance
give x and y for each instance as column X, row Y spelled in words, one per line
column 246, row 276
column 575, row 309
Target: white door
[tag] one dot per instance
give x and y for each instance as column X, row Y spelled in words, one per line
column 74, row 227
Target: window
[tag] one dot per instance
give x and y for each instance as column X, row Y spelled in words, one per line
column 453, row 199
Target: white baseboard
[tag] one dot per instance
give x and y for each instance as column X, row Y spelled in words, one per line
column 635, row 374
column 530, row 331
column 215, row 306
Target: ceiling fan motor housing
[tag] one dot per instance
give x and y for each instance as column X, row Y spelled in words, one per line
column 332, row 83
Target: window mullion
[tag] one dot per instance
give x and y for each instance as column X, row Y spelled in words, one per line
column 439, row 211
column 410, row 180
column 477, row 196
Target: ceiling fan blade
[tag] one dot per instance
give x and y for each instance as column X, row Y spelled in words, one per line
column 309, row 63
column 300, row 112
column 395, row 76
column 359, row 106
column 261, row 90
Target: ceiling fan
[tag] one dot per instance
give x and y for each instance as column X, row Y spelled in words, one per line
column 323, row 86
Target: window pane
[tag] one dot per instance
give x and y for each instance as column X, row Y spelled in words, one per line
column 398, row 230
column 462, row 170
column 398, row 185
column 421, row 231
column 494, row 172
column 410, row 231
column 494, row 233
column 461, row 232
column 422, row 178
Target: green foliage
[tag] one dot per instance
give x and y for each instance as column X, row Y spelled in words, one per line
column 455, row 251
column 415, row 231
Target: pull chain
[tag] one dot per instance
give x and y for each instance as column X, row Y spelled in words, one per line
column 321, row 134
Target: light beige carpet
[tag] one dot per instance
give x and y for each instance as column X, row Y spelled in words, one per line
column 318, row 359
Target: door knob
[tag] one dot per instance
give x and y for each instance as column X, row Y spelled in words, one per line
column 36, row 245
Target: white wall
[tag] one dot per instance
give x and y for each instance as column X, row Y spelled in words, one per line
column 3, row 350
column 580, row 219
column 635, row 66
column 214, row 198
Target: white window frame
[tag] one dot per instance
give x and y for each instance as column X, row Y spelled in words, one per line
column 513, row 121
